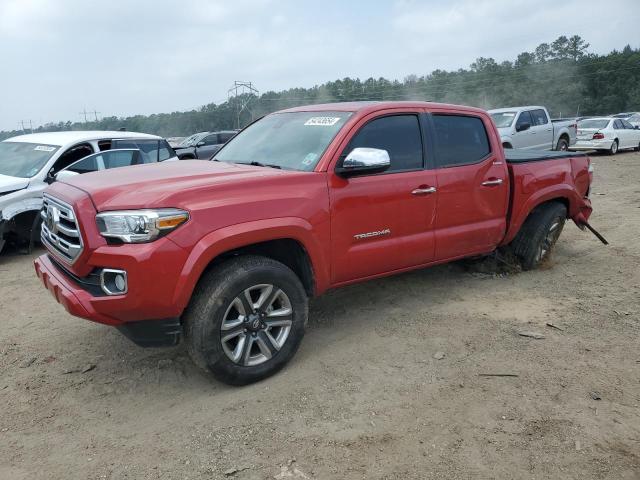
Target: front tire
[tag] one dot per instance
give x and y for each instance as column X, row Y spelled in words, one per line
column 246, row 319
column 539, row 234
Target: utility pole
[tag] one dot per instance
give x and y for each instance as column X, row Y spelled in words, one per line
column 84, row 113
column 95, row 113
column 24, row 130
column 243, row 93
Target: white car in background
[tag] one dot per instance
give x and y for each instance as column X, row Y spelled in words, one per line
column 28, row 163
column 607, row 134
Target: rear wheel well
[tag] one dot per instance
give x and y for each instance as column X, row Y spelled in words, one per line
column 288, row 251
column 562, row 200
column 507, row 145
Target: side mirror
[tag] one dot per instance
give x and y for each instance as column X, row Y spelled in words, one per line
column 362, row 161
column 200, row 144
column 50, row 178
column 522, row 127
column 65, row 175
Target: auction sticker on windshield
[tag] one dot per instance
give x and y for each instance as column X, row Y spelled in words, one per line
column 44, row 148
column 322, row 121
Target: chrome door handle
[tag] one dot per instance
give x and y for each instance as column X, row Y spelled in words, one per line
column 423, row 191
column 491, row 183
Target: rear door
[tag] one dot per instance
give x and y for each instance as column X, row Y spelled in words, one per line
column 633, row 135
column 473, row 188
column 542, row 130
column 383, row 222
column 622, row 134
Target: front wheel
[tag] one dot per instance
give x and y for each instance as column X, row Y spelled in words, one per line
column 246, row 319
column 539, row 234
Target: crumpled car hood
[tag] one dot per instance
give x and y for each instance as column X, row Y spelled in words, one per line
column 11, row 184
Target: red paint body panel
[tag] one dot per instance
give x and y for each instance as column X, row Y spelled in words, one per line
column 233, row 206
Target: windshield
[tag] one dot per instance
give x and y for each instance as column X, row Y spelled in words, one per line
column 19, row 159
column 622, row 115
column 294, row 140
column 193, row 139
column 503, row 119
column 593, row 123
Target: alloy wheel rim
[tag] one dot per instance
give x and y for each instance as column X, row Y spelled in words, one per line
column 256, row 325
column 549, row 240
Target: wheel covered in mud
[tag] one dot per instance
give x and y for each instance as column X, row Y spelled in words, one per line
column 539, row 234
column 246, row 319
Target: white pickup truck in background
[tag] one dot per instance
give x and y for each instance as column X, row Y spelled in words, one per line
column 531, row 128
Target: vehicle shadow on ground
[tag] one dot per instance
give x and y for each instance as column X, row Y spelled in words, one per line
column 347, row 310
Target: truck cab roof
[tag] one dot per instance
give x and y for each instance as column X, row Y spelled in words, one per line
column 62, row 139
column 373, row 106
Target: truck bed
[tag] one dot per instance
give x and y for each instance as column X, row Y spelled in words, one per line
column 524, row 156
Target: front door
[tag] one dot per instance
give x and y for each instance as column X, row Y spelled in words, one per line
column 524, row 138
column 473, row 188
column 383, row 222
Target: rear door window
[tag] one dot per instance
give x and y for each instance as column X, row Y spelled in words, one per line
column 460, row 140
column 399, row 135
column 152, row 150
column 539, row 117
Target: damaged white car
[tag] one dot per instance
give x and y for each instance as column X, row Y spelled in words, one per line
column 28, row 163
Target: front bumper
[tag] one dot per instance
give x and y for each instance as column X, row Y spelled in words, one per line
column 81, row 302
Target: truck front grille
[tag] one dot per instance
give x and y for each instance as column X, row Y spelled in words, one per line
column 60, row 231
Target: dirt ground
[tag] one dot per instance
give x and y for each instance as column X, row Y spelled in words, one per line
column 368, row 394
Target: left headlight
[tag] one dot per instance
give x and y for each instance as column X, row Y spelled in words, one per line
column 140, row 226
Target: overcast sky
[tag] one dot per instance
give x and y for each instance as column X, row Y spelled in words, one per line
column 123, row 57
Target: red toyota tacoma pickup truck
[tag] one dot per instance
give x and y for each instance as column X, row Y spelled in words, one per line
column 226, row 253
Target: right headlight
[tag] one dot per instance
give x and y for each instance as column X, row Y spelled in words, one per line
column 140, row 226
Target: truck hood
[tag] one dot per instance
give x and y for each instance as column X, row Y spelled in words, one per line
column 165, row 184
column 11, row 184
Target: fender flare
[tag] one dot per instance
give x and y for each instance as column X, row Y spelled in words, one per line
column 241, row 235
column 562, row 192
column 504, row 140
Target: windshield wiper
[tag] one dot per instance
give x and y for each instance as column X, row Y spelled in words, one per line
column 260, row 164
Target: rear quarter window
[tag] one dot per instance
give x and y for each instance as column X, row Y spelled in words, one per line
column 460, row 140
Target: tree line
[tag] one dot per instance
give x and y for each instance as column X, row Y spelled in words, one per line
column 562, row 75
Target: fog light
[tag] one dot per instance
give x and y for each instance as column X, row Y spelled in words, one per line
column 113, row 282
